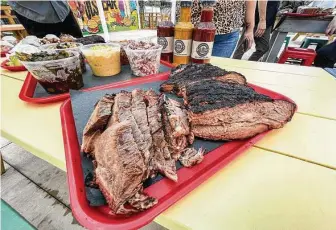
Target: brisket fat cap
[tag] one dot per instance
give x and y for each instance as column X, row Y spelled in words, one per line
column 211, row 95
column 187, row 74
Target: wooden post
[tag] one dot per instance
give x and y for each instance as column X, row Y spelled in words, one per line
column 2, row 165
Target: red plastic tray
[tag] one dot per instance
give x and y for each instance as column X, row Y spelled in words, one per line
column 166, row 191
column 29, row 86
column 3, row 53
column 12, row 68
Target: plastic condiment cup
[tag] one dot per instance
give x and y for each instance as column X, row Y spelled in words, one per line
column 144, row 62
column 103, row 58
column 78, row 45
column 57, row 76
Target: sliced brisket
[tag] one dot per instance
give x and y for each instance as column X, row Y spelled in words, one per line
column 191, row 157
column 176, row 126
column 97, row 123
column 121, row 169
column 162, row 160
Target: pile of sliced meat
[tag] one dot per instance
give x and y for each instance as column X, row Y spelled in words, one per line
column 133, row 136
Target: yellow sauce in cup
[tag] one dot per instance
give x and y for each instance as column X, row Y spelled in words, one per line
column 104, row 59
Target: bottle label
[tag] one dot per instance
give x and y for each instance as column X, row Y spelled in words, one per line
column 167, row 44
column 201, row 50
column 182, row 47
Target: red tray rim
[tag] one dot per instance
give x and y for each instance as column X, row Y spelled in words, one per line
column 80, row 207
column 12, row 68
column 29, row 86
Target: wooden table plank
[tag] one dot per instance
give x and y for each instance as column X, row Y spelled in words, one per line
column 259, row 190
column 305, row 137
column 272, row 67
column 36, row 128
column 14, row 27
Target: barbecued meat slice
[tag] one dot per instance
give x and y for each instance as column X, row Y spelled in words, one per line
column 224, row 111
column 121, row 169
column 191, row 73
column 191, row 157
column 176, row 126
column 126, row 109
column 97, row 122
column 139, row 112
column 162, row 160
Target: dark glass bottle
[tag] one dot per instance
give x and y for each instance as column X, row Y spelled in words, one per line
column 165, row 32
column 204, row 34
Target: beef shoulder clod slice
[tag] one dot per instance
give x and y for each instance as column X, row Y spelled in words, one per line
column 120, row 170
column 126, row 109
column 224, row 111
column 162, row 160
column 176, row 126
column 97, row 123
column 191, row 73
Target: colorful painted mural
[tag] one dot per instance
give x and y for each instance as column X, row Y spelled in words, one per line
column 89, row 21
column 121, row 15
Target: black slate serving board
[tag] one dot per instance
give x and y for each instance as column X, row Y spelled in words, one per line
column 82, row 107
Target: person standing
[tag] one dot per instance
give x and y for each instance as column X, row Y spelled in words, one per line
column 264, row 17
column 229, row 16
column 326, row 56
column 40, row 18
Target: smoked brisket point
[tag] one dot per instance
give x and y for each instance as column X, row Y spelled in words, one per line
column 184, row 75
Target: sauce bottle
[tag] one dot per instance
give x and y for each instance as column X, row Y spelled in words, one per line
column 204, row 34
column 183, row 35
column 165, row 32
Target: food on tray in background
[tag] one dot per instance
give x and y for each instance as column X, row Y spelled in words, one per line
column 104, row 58
column 68, row 46
column 56, row 71
column 144, row 57
column 93, row 26
column 13, row 60
column 308, row 10
column 123, row 56
column 31, row 40
column 91, row 40
column 10, row 39
column 50, row 38
column 5, row 48
column 25, row 48
column 67, row 38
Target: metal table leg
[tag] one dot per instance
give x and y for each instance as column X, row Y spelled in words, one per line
column 276, row 42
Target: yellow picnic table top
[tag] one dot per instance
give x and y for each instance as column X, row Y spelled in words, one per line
column 263, row 188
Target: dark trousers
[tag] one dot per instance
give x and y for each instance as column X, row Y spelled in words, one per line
column 68, row 26
column 326, row 56
column 262, row 46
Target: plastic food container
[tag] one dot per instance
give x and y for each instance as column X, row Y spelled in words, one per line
column 73, row 46
column 103, row 58
column 57, row 76
column 144, row 58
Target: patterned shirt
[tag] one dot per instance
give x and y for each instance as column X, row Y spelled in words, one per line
column 229, row 15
